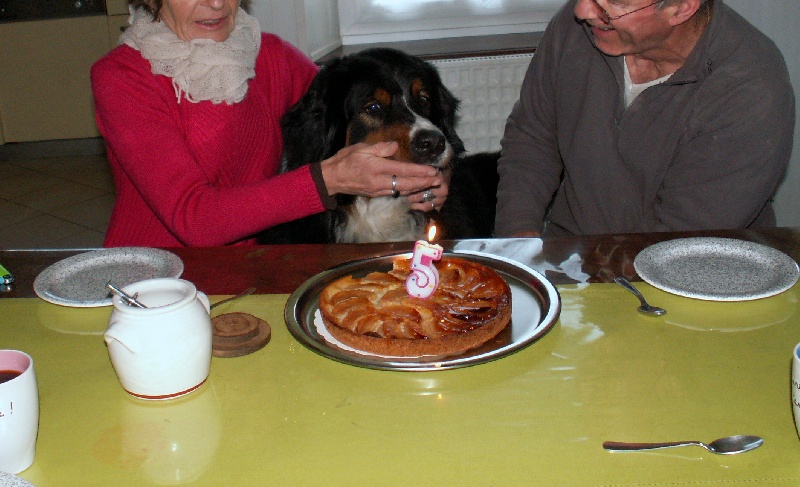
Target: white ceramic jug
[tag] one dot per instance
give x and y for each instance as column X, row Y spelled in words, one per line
column 164, row 350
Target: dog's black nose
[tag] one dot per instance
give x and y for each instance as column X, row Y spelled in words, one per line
column 428, row 145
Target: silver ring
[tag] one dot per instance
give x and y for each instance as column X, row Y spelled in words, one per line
column 395, row 193
column 433, row 207
column 428, row 196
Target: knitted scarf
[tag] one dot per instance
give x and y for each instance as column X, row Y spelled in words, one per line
column 200, row 69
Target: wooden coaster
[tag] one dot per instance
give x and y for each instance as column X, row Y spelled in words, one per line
column 237, row 334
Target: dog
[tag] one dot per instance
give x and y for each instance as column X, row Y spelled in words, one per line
column 384, row 94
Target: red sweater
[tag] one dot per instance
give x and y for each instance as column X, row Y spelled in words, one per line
column 200, row 174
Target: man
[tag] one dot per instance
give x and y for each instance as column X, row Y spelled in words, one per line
column 640, row 116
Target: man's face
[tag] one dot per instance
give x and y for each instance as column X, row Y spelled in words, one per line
column 623, row 27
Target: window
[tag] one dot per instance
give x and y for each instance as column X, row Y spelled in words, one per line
column 366, row 21
column 319, row 26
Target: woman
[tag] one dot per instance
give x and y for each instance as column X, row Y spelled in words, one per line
column 190, row 105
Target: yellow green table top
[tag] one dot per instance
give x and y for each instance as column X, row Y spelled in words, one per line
column 287, row 416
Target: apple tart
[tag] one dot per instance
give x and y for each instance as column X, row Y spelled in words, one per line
column 375, row 314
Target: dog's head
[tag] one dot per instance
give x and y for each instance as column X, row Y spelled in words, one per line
column 372, row 96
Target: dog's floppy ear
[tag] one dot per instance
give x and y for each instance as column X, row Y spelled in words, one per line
column 315, row 124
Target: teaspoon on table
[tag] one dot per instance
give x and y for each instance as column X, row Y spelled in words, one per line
column 645, row 308
column 728, row 445
column 242, row 294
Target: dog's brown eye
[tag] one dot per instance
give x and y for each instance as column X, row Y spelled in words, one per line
column 373, row 108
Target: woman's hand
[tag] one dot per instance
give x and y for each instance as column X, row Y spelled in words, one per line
column 362, row 169
column 431, row 198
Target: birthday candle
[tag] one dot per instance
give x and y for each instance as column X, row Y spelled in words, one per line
column 424, row 278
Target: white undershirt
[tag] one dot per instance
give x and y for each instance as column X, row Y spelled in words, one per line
column 632, row 90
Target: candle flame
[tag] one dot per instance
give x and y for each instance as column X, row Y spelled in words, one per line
column 431, row 232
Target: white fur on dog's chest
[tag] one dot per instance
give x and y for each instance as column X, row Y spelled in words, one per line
column 383, row 219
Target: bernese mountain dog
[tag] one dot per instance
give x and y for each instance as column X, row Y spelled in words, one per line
column 384, row 94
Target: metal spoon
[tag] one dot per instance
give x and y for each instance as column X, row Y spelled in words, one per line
column 729, row 445
column 645, row 308
column 242, row 294
column 126, row 298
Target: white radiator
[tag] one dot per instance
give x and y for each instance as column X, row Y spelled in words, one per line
column 488, row 87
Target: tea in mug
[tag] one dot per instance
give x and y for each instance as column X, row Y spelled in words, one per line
column 7, row 375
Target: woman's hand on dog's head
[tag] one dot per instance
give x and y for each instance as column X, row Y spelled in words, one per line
column 365, row 170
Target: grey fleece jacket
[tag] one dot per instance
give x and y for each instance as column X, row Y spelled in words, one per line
column 706, row 149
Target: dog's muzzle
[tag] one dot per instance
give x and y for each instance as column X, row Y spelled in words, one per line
column 428, row 146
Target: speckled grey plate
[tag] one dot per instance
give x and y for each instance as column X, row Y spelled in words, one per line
column 80, row 280
column 716, row 269
column 11, row 480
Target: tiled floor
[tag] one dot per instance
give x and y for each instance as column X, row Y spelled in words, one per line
column 54, row 194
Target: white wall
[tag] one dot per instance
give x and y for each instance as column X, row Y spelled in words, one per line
column 778, row 19
column 310, row 25
column 322, row 26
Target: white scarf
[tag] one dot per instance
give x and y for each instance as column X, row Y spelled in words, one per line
column 201, row 69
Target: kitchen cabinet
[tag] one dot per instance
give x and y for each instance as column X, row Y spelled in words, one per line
column 118, row 15
column 45, row 91
column 117, row 7
column 116, row 23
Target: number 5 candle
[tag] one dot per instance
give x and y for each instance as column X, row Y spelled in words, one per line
column 424, row 278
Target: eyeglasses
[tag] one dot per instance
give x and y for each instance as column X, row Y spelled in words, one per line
column 606, row 17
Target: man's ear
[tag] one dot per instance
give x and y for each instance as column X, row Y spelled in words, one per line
column 683, row 11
